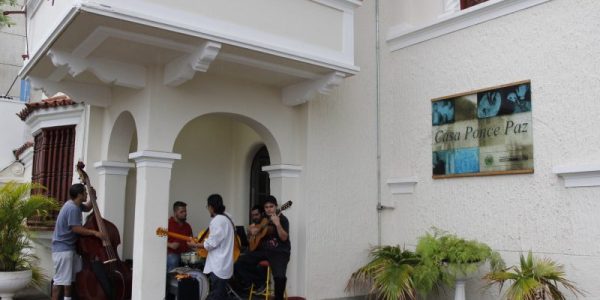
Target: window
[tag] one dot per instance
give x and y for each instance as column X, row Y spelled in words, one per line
column 25, row 90
column 464, row 4
column 53, row 167
column 259, row 179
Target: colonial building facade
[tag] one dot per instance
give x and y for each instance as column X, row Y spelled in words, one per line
column 326, row 103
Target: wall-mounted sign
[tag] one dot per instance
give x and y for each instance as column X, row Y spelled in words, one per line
column 483, row 132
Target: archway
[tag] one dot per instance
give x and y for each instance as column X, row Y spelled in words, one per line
column 120, row 183
column 217, row 152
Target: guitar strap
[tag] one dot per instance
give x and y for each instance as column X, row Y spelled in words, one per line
column 236, row 238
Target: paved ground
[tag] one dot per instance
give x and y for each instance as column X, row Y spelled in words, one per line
column 31, row 294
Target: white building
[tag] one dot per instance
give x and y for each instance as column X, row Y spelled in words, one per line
column 177, row 97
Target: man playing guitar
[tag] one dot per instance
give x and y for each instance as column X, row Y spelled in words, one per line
column 274, row 246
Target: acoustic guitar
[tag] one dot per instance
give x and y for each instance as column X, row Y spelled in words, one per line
column 254, row 240
column 200, row 239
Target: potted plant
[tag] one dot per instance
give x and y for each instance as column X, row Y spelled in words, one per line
column 389, row 274
column 447, row 259
column 16, row 260
column 533, row 279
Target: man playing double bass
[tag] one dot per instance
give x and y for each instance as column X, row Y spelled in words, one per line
column 66, row 231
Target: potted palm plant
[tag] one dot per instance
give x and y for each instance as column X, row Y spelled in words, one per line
column 16, row 259
column 533, row 279
column 449, row 260
column 389, row 274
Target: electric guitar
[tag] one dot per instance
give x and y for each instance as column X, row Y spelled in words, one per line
column 254, row 240
column 200, row 239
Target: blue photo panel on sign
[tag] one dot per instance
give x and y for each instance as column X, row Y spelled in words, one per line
column 466, row 160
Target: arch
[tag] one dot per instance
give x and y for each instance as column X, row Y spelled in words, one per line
column 266, row 135
column 121, row 137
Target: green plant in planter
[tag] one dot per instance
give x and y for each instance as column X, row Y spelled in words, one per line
column 388, row 276
column 533, row 279
column 16, row 205
column 445, row 256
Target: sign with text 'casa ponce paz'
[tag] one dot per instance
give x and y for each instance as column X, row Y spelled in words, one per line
column 484, row 132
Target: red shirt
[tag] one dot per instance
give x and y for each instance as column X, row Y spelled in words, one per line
column 183, row 229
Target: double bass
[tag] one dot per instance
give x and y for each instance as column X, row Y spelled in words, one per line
column 104, row 276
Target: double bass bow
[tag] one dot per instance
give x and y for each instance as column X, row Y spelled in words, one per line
column 104, row 276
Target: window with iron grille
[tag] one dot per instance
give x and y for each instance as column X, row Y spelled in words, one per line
column 53, row 168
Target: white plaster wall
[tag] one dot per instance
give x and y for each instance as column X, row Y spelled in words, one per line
column 555, row 46
column 12, row 130
column 340, row 174
column 12, row 40
column 214, row 153
column 45, row 20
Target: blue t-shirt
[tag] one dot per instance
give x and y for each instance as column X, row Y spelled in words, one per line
column 64, row 238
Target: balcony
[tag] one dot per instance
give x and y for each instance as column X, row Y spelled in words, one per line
column 304, row 47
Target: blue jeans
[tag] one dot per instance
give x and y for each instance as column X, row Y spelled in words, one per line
column 173, row 260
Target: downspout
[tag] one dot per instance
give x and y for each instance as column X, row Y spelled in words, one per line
column 378, row 136
column 379, row 207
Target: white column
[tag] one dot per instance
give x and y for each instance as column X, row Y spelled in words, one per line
column 112, row 181
column 284, row 186
column 151, row 211
column 450, row 7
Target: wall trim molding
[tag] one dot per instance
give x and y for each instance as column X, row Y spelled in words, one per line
column 262, row 41
column 107, row 167
column 405, row 185
column 27, row 157
column 400, row 37
column 55, row 116
column 283, row 171
column 579, row 175
column 154, row 159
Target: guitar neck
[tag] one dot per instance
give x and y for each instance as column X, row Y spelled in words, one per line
column 181, row 237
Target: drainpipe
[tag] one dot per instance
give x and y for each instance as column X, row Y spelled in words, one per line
column 380, row 207
column 378, row 137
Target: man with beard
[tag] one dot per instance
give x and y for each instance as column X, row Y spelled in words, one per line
column 177, row 224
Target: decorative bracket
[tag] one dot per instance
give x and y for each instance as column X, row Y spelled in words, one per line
column 305, row 91
column 108, row 71
column 184, row 69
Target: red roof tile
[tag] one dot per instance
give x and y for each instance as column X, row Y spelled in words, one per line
column 55, row 101
column 17, row 152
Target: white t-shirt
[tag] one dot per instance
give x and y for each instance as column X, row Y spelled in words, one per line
column 220, row 247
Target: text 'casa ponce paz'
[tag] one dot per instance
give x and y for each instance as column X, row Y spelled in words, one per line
column 445, row 135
